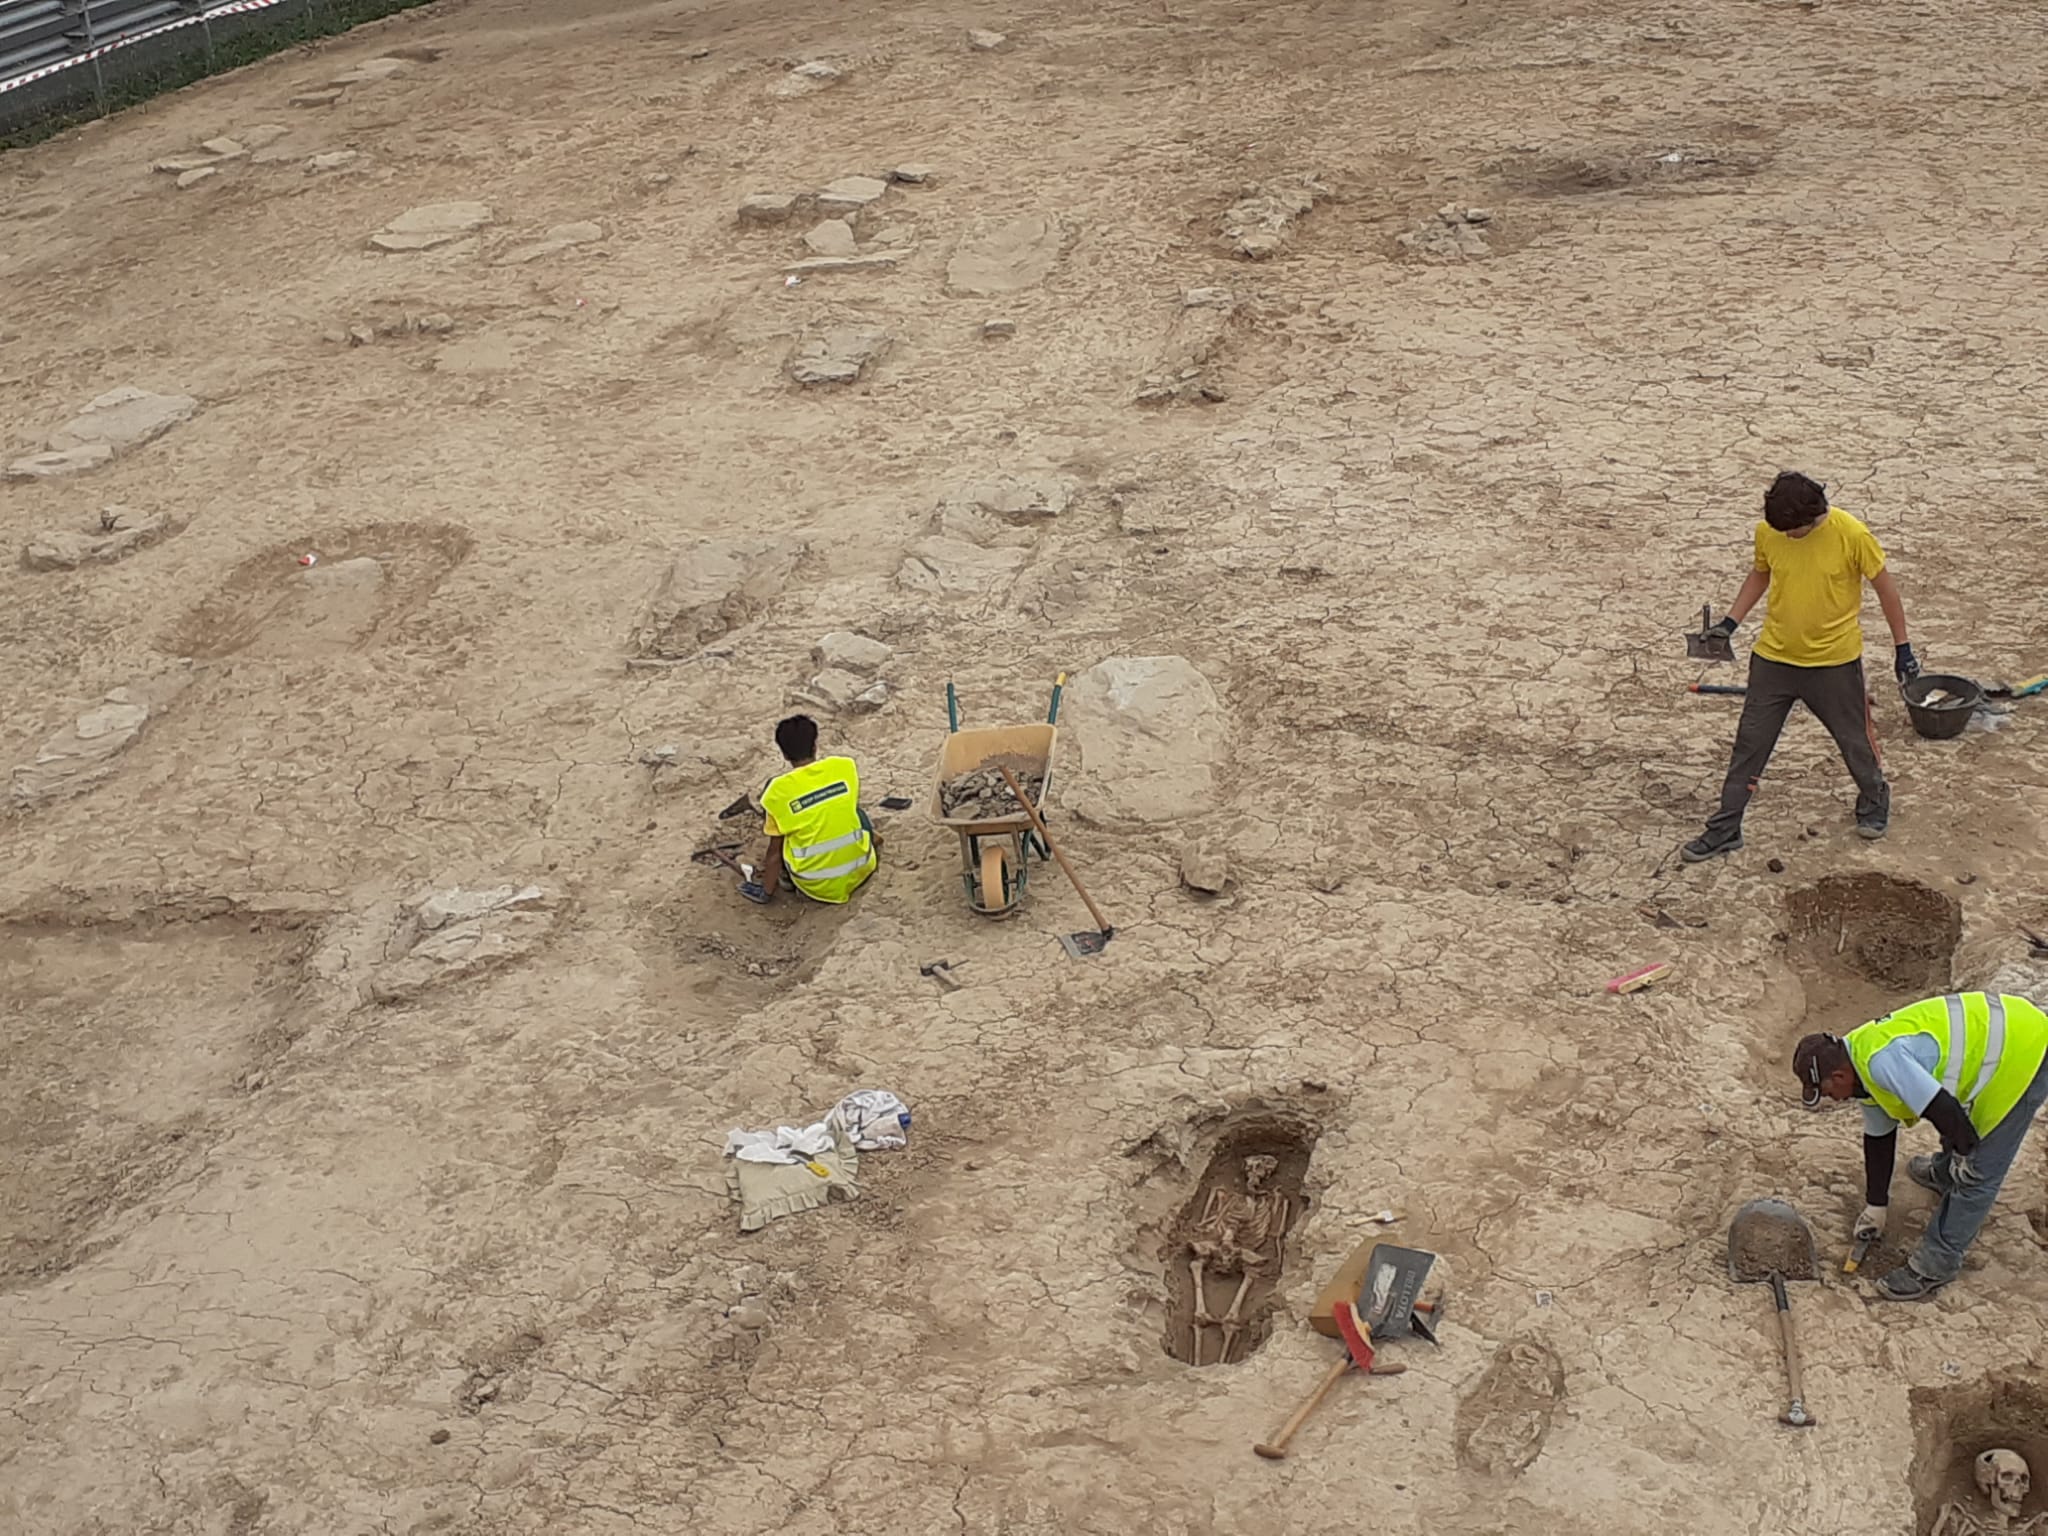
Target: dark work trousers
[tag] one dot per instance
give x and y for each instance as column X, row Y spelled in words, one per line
column 1837, row 697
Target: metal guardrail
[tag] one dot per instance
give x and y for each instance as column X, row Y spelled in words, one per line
column 43, row 38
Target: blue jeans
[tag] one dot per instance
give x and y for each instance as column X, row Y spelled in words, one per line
column 1966, row 1202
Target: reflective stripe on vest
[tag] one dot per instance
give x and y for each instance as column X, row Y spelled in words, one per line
column 817, row 810
column 1990, row 1048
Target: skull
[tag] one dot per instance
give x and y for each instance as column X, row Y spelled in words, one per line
column 2003, row 1478
column 1257, row 1170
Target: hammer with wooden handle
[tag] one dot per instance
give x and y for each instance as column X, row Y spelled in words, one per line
column 1355, row 1341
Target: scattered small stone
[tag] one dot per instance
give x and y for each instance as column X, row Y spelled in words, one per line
column 998, row 330
column 658, row 179
column 848, row 692
column 360, row 335
column 838, row 355
column 435, row 324
column 986, row 41
column 894, row 234
column 806, row 79
column 193, row 178
column 1966, row 879
column 262, row 135
column 225, row 148
column 769, row 207
column 1776, row 866
column 851, row 653
column 332, row 160
column 1258, row 224
column 1204, row 867
column 178, row 165
column 438, row 1437
column 983, row 794
column 833, row 237
column 431, row 224
column 1196, row 335
column 1451, row 234
column 326, row 96
column 851, row 192
column 915, row 175
column 750, row 1312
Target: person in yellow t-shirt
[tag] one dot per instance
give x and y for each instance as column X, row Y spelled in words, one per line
column 817, row 833
column 1813, row 560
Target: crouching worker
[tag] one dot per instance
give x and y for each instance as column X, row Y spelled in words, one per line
column 817, row 833
column 1974, row 1065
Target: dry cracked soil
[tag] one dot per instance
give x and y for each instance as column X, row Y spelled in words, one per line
column 323, row 1210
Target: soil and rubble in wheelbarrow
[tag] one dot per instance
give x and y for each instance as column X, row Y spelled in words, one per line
column 982, row 793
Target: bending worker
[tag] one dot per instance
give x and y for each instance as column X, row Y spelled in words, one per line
column 816, row 828
column 1975, row 1066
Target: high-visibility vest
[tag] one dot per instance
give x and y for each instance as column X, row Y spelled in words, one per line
column 1991, row 1047
column 826, row 845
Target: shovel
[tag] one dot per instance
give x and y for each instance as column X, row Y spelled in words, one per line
column 1768, row 1240
column 1709, row 644
column 1079, row 945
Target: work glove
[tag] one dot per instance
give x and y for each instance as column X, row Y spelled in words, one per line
column 1905, row 663
column 1870, row 1225
column 1962, row 1172
column 1723, row 626
column 754, row 892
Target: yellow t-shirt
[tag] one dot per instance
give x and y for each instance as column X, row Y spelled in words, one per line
column 1816, row 591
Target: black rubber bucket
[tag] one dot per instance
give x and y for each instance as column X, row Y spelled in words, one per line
column 1946, row 719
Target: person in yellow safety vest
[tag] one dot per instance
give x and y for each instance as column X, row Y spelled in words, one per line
column 1974, row 1065
column 816, row 828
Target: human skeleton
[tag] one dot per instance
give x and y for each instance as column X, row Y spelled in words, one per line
column 1236, row 1234
column 2003, row 1478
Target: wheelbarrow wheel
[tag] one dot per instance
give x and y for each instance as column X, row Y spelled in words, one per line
column 996, row 896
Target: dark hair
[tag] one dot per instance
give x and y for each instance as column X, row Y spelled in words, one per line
column 798, row 737
column 1815, row 1059
column 1794, row 500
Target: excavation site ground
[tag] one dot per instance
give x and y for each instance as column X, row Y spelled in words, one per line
column 437, row 458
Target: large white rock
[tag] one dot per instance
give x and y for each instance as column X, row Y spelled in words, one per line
column 851, row 653
column 711, row 590
column 391, row 954
column 1008, row 258
column 1151, row 738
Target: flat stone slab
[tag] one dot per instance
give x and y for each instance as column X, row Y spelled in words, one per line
column 111, row 424
column 832, row 237
column 393, row 953
column 332, row 160
column 807, row 79
column 770, row 207
column 84, row 752
column 431, row 224
column 66, row 551
column 1005, row 509
column 944, row 567
column 839, row 355
column 194, row 178
column 372, row 69
column 844, row 692
column 325, row 96
column 851, row 192
column 873, row 261
column 848, row 652
column 711, row 590
column 986, row 41
column 1258, row 224
column 1007, row 259
column 560, row 237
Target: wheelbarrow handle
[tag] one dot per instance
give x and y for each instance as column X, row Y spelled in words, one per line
column 1059, row 686
column 952, row 709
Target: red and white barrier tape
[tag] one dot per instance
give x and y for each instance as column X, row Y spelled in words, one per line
column 122, row 42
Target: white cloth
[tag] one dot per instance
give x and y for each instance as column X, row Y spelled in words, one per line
column 781, row 1145
column 875, row 1118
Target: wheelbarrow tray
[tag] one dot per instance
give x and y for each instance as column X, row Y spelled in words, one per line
column 1027, row 745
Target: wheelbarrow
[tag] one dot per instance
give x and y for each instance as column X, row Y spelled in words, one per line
column 995, row 851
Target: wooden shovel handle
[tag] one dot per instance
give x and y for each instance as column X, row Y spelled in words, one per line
column 1045, row 837
column 1276, row 1448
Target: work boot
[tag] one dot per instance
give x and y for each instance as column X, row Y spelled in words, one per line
column 1706, row 846
column 1929, row 1172
column 1871, row 825
column 1907, row 1284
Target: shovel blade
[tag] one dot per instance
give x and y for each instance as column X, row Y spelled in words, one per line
column 1768, row 1239
column 1084, row 944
